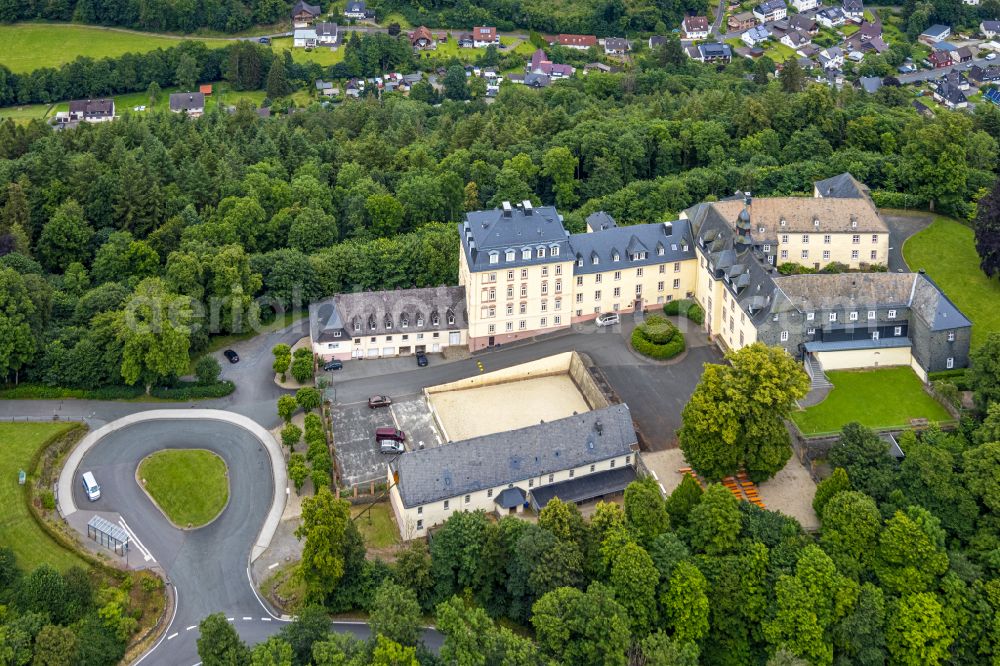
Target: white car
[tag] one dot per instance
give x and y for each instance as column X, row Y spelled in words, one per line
column 608, row 319
column 991, row 56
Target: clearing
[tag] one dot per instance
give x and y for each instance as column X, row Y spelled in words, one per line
column 18, row 530
column 190, row 486
column 376, row 526
column 883, row 398
column 947, row 251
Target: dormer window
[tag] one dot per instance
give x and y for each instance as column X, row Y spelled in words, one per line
column 816, row 222
column 357, row 325
column 451, row 319
column 494, row 257
column 420, row 322
column 435, row 320
column 685, row 247
column 554, row 251
column 540, row 252
column 336, row 334
column 596, row 260
column 615, row 257
column 579, row 262
column 659, row 251
column 526, row 254
column 388, row 322
column 372, row 324
column 404, row 321
column 782, row 223
column 510, row 255
column 760, row 230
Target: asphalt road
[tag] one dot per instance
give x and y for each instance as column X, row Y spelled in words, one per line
column 930, row 74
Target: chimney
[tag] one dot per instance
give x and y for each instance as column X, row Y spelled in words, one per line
column 668, row 228
column 599, row 427
column 507, row 211
column 527, row 207
column 747, row 199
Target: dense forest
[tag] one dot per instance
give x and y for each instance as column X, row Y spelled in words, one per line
column 601, row 17
column 216, row 211
column 904, row 570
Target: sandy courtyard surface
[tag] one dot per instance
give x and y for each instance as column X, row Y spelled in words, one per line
column 486, row 410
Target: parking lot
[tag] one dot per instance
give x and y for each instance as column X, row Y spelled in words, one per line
column 358, row 456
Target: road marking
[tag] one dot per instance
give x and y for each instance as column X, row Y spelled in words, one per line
column 259, row 600
column 173, row 616
column 171, row 635
column 265, row 619
column 274, row 565
column 146, row 555
column 193, row 626
column 230, row 619
column 247, row 617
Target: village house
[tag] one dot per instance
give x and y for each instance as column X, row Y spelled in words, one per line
column 854, row 10
column 940, row 58
column 831, row 17
column 87, row 111
column 422, row 39
column 948, row 91
column 327, row 34
column 303, row 14
column 656, row 41
column 324, row 88
column 803, row 23
column 741, row 21
column 191, row 103
column 712, row 53
column 981, row 75
column 578, row 42
column 755, row 36
column 795, row 39
column 935, row 34
column 770, row 10
column 805, row 5
column 540, row 64
column 616, row 46
column 358, row 11
column 831, row 58
column 304, row 38
column 485, row 36
column 989, row 29
column 694, row 27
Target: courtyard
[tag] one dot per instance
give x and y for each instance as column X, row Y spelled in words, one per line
column 882, row 398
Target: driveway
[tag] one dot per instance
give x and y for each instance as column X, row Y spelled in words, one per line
column 902, row 227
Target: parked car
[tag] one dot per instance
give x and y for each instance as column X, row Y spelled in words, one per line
column 421, row 359
column 608, row 319
column 388, row 432
column 991, row 56
column 390, row 446
column 379, row 401
column 264, row 40
column 232, row 356
column 90, row 487
column 333, row 365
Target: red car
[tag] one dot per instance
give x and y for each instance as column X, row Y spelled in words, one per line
column 379, row 401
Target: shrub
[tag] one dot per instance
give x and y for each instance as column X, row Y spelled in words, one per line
column 308, row 399
column 290, row 435
column 287, row 407
column 40, row 392
column 887, row 199
column 685, row 307
column 791, row 268
column 207, row 370
column 657, row 338
column 302, row 368
column 298, row 470
column 956, row 377
column 48, row 500
column 193, row 391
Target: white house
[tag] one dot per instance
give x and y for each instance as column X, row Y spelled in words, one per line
column 831, row 58
column 990, row 29
column 805, row 5
column 971, row 3
column 935, row 34
column 695, row 27
column 755, row 35
column 327, row 34
column 796, row 39
column 616, row 46
column 854, row 10
column 483, row 36
column 304, row 38
column 831, row 17
column 358, row 10
column 577, row 459
column 770, row 10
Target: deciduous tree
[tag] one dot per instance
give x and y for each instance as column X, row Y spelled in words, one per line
column 587, row 628
column 395, row 613
column 714, row 523
column 219, row 644
column 65, row 237
column 325, row 521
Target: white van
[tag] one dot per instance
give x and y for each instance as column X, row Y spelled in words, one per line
column 90, row 487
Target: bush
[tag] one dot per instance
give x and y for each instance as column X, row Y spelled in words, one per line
column 193, row 391
column 657, row 338
column 48, row 500
column 290, row 435
column 887, row 199
column 685, row 307
column 956, row 377
column 298, row 470
column 207, row 370
column 287, row 407
column 308, row 399
column 302, row 368
column 948, row 392
column 42, row 392
column 791, row 268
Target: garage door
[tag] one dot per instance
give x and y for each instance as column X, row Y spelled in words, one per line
column 388, row 351
column 454, row 338
column 373, row 353
column 436, row 347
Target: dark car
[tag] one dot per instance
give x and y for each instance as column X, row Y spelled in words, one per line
column 232, row 356
column 334, row 365
column 421, row 359
column 264, row 40
column 379, row 401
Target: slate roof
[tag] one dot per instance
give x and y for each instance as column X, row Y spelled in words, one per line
column 769, row 6
column 470, row 465
column 187, row 101
column 342, row 312
column 93, row 108
column 695, row 24
column 600, row 220
column 489, row 230
column 616, row 44
column 870, row 84
column 799, row 214
column 842, row 186
column 584, row 488
column 510, row 497
column 669, row 237
column 657, row 40
column 306, row 7
column 326, row 30
column 714, row 50
column 992, row 26
column 936, row 31
column 948, row 88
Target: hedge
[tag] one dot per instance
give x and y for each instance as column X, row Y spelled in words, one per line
column 42, row 392
column 193, row 391
column 685, row 307
column 956, row 377
column 657, row 338
column 890, row 199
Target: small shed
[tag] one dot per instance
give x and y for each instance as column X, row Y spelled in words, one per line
column 108, row 534
column 205, row 89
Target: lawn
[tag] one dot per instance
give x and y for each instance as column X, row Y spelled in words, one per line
column 947, row 251
column 849, row 29
column 876, row 398
column 32, row 546
column 28, row 46
column 376, row 526
column 189, row 485
column 396, row 17
column 22, row 114
column 779, row 52
column 323, row 55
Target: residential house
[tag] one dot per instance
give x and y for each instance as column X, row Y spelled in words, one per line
column 304, row 38
column 948, row 91
column 694, row 27
column 536, row 80
column 466, row 41
column 841, row 186
column 358, row 11
column 854, row 10
column 191, row 103
column 354, row 88
column 422, row 39
column 803, row 23
column 770, row 10
column 616, row 46
column 963, row 54
column 712, row 53
column 935, row 34
column 579, row 42
column 755, row 36
column 600, row 67
column 88, row 111
column 303, row 14
column 940, row 58
column 741, row 21
column 805, row 5
column 971, row 3
column 324, row 88
column 867, row 31
column 980, row 75
column 540, row 64
column 483, row 36
column 922, row 108
column 990, row 29
column 516, row 78
column 327, row 34
column 831, row 58
column 993, row 96
column 870, row 84
column 578, row 458
column 264, row 112
column 796, row 39
column 831, row 17
column 656, row 41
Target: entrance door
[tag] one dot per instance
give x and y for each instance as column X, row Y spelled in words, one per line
column 875, row 335
column 638, row 304
column 454, row 338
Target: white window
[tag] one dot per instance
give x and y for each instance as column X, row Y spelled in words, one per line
column 545, row 306
column 951, row 336
column 579, row 262
column 618, row 275
column 558, row 269
column 543, row 322
column 856, row 238
column 677, row 284
column 597, row 295
column 579, row 298
column 871, row 314
column 826, row 255
column 489, row 492
column 510, row 275
column 767, row 247
column 612, row 465
column 524, row 273
column 784, row 254
column 420, row 510
column 784, row 238
column 467, row 498
column 558, row 286
column 531, row 483
column 510, row 255
column 897, row 331
column 810, row 316
column 525, row 253
column 557, row 320
column 615, row 257
column 551, row 477
column 805, row 254
column 891, row 314
column 357, row 326
column 596, row 260
column 874, row 255
column 638, row 290
column 545, row 288
column 810, row 331
column 833, row 316
column 522, row 308
column 545, row 271
column 420, row 523
column 826, row 239
column 336, row 334
column 446, row 505
column 579, row 280
column 805, row 239
column 492, row 328
column 784, row 336
column 663, row 269
column 950, row 363
column 510, row 309
column 854, row 254
column 591, row 468
column 541, row 253
column 617, row 292
column 659, row 286
column 523, row 324
column 572, row 473
column 494, row 257
column 599, row 278
column 638, row 272
column 510, row 326
column 451, row 320
column 874, row 238
column 554, row 251
column 854, row 316
column 659, row 251
column 524, row 291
